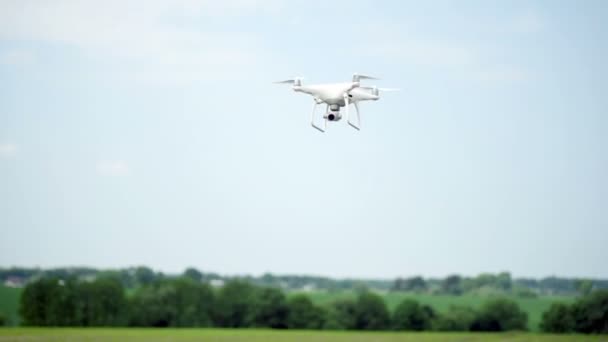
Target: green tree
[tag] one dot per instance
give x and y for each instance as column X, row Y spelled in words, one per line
column 3, row 320
column 342, row 315
column 180, row 302
column 591, row 313
column 193, row 274
column 152, row 306
column 145, row 275
column 235, row 305
column 452, row 285
column 303, row 314
column 35, row 302
column 194, row 303
column 102, row 303
column 371, row 312
column 583, row 286
column 410, row 315
column 557, row 319
column 500, row 314
column 457, row 318
column 270, row 309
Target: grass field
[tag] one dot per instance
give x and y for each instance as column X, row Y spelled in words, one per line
column 533, row 306
column 228, row 335
column 9, row 303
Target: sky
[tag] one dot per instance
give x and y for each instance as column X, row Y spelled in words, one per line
column 150, row 133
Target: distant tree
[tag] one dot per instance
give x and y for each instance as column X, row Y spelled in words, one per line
column 500, row 315
column 415, row 284
column 583, row 286
column 398, row 285
column 503, row 281
column 193, row 274
column 235, row 305
column 410, row 315
column 371, row 312
column 144, row 275
column 591, row 313
column 270, row 309
column 342, row 315
column 3, row 320
column 451, row 285
column 557, row 319
column 457, row 318
column 303, row 314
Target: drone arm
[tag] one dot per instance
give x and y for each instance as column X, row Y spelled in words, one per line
column 312, row 118
column 358, row 125
column 346, row 106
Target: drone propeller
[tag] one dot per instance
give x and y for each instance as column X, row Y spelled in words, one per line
column 296, row 81
column 358, row 77
column 376, row 91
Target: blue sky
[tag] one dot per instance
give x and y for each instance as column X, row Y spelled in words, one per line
column 149, row 132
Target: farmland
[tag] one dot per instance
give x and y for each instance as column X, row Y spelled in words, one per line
column 229, row 335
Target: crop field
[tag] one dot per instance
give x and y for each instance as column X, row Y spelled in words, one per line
column 533, row 306
column 228, row 335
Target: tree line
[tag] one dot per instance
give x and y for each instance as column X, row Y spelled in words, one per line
column 485, row 283
column 184, row 302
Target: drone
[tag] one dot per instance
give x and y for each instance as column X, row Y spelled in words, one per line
column 337, row 95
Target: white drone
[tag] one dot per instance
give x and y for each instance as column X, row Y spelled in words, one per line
column 336, row 95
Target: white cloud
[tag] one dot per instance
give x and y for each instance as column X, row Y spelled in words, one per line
column 113, row 168
column 8, row 150
column 147, row 38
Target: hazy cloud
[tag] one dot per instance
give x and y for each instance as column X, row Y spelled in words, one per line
column 145, row 34
column 8, row 150
column 113, row 168
column 17, row 57
column 528, row 22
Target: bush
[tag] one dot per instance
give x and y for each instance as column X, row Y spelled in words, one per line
column 341, row 315
column 303, row 314
column 500, row 315
column 235, row 305
column 557, row 319
column 371, row 312
column 270, row 309
column 457, row 318
column 590, row 313
column 409, row 315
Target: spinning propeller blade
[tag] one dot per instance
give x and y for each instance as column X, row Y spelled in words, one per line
column 358, row 77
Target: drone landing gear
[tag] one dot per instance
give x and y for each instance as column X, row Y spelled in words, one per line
column 312, row 118
column 356, row 126
column 346, row 111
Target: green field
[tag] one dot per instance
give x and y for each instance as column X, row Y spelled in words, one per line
column 228, row 335
column 9, row 303
column 533, row 306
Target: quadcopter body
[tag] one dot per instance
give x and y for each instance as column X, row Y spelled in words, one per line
column 336, row 96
